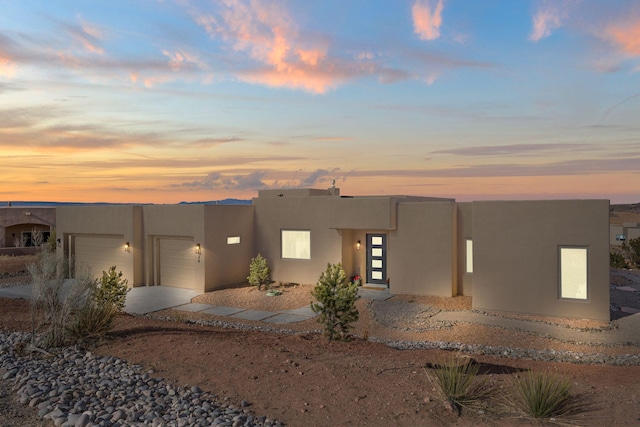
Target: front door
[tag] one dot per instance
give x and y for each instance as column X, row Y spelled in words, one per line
column 377, row 259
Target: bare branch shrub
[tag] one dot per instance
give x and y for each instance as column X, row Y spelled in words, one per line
column 55, row 299
column 37, row 237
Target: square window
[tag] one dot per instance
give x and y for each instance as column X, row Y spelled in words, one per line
column 573, row 273
column 296, row 244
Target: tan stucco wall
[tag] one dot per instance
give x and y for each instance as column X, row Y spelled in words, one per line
column 292, row 212
column 227, row 264
column 118, row 221
column 464, row 232
column 516, row 255
column 420, row 250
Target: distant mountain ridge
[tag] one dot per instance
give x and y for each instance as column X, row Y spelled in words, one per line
column 54, row 204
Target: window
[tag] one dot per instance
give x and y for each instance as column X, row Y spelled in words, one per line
column 233, row 240
column 573, row 273
column 621, row 237
column 469, row 256
column 296, row 244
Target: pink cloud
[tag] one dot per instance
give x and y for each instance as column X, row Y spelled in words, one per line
column 427, row 19
column 545, row 21
column 625, row 36
column 267, row 33
column 7, row 66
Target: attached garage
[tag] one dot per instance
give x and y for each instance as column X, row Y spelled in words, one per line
column 176, row 262
column 99, row 253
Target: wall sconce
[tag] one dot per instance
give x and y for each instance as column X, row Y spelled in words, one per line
column 127, row 247
column 358, row 245
column 59, row 241
column 198, row 249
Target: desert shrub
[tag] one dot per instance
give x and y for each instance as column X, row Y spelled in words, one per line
column 112, row 291
column 55, row 299
column 545, row 396
column 259, row 272
column 617, row 260
column 456, row 382
column 335, row 302
column 91, row 321
column 50, row 244
column 634, row 252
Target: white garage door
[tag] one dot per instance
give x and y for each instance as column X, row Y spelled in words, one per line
column 100, row 253
column 177, row 263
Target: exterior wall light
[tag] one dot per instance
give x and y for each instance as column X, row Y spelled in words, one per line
column 198, row 249
column 358, row 245
column 127, row 247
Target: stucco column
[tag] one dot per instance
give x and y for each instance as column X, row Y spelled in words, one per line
column 2, row 242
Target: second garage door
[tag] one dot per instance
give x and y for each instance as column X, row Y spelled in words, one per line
column 177, row 263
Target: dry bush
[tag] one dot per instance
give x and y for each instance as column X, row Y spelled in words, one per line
column 55, row 299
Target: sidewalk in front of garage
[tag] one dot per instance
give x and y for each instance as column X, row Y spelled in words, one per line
column 147, row 299
column 180, row 299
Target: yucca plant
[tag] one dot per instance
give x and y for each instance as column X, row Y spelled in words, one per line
column 456, row 381
column 545, row 396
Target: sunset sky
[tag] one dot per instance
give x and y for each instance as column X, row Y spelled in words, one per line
column 162, row 101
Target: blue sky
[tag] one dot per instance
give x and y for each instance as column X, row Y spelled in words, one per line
column 165, row 101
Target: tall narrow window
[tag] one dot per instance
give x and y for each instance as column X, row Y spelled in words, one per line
column 573, row 273
column 469, row 256
column 296, row 244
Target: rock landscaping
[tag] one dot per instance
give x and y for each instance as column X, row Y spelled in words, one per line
column 78, row 388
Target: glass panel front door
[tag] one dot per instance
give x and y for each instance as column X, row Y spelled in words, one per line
column 377, row 259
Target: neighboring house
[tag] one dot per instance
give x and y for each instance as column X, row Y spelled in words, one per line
column 18, row 223
column 620, row 234
column 536, row 257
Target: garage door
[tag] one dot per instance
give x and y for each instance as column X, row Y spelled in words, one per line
column 100, row 253
column 177, row 263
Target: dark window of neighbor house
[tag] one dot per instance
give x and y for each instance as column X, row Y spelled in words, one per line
column 296, row 244
column 573, row 273
column 28, row 238
column 621, row 237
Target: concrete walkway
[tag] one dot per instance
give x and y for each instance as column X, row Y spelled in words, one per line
column 147, row 299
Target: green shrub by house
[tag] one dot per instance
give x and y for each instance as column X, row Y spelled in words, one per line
column 335, row 302
column 112, row 290
column 634, row 252
column 259, row 272
column 617, row 260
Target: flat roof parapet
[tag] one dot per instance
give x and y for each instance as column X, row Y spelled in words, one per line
column 298, row 192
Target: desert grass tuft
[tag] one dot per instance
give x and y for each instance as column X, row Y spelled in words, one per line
column 456, row 382
column 547, row 396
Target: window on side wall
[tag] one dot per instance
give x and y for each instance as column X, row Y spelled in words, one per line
column 469, row 257
column 233, row 240
column 296, row 244
column 573, row 273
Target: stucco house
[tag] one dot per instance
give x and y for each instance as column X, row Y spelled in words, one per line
column 17, row 223
column 536, row 257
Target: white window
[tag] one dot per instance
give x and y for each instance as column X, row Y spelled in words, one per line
column 296, row 244
column 469, row 256
column 573, row 273
column 233, row 240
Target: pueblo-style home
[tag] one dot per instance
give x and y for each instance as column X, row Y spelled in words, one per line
column 534, row 257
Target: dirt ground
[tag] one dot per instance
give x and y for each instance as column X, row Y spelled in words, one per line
column 304, row 380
